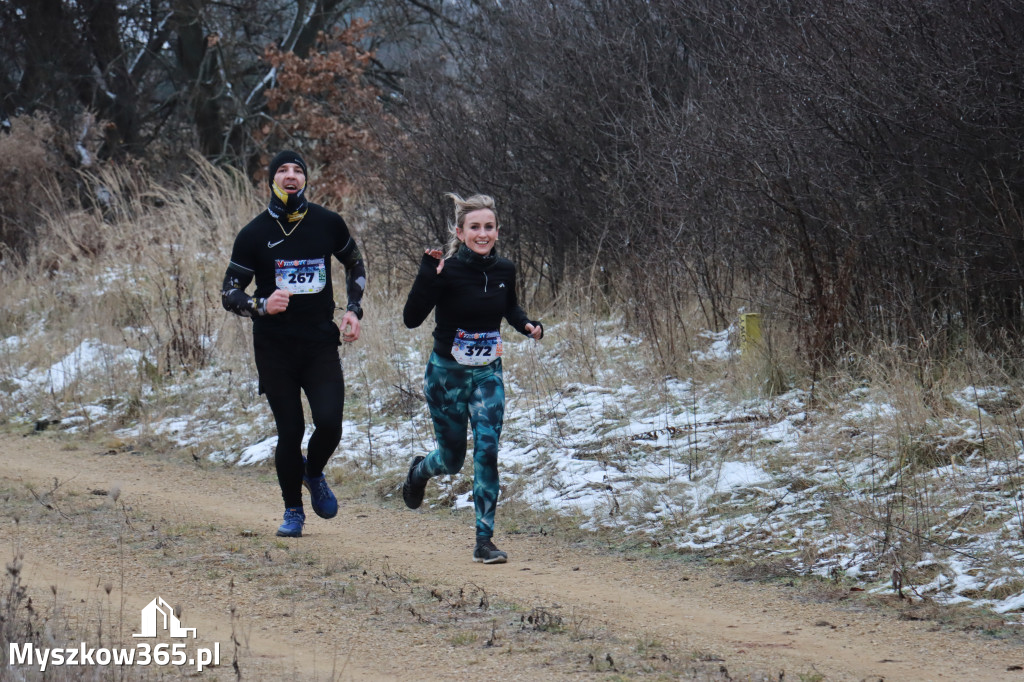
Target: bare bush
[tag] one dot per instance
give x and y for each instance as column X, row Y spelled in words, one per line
column 32, row 176
column 851, row 170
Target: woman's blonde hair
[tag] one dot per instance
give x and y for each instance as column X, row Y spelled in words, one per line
column 462, row 208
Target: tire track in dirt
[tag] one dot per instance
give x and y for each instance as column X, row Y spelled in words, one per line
column 750, row 628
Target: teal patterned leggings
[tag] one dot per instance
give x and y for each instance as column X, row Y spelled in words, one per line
column 457, row 394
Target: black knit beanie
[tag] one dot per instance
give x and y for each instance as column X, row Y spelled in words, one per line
column 287, row 156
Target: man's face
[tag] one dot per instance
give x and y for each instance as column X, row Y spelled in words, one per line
column 290, row 177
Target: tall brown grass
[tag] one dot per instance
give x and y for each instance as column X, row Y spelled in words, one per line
column 143, row 271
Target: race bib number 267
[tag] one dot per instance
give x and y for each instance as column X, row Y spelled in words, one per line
column 301, row 276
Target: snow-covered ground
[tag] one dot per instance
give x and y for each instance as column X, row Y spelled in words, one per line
column 851, row 490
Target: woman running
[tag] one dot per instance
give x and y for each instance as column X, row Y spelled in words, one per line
column 470, row 289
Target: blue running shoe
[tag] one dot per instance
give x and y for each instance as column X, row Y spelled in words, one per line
column 325, row 504
column 294, row 517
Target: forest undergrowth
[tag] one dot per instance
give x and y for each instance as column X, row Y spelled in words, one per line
column 895, row 469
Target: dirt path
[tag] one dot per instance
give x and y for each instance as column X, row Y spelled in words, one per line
column 383, row 593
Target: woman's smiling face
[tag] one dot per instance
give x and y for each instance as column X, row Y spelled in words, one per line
column 479, row 231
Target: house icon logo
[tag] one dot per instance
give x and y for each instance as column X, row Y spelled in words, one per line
column 158, row 617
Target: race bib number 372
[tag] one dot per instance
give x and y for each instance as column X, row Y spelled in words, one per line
column 301, row 276
column 476, row 349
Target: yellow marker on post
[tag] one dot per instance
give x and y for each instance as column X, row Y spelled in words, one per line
column 750, row 331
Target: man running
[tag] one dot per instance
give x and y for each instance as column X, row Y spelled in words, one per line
column 287, row 249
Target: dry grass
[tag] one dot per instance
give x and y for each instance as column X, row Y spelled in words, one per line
column 54, row 617
column 136, row 279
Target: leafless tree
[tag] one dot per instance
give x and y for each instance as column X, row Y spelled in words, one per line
column 852, row 167
column 172, row 74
